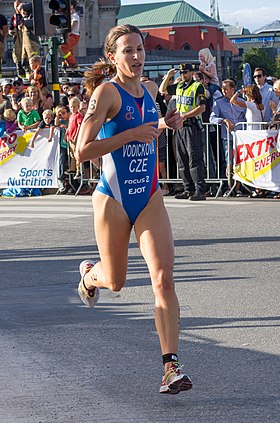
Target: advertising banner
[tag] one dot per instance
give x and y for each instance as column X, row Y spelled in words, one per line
column 257, row 159
column 25, row 167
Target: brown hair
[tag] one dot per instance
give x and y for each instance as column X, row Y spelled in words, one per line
column 253, row 92
column 104, row 68
column 230, row 82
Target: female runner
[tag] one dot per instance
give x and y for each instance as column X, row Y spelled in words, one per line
column 121, row 125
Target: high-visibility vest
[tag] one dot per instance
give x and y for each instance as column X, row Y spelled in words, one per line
column 186, row 98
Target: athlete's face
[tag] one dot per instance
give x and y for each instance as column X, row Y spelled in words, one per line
column 130, row 55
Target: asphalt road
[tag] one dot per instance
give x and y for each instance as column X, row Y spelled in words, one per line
column 61, row 362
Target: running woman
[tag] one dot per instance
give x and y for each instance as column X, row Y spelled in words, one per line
column 121, row 125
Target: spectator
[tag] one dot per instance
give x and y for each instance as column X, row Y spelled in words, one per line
column 190, row 102
column 73, row 91
column 72, row 38
column 211, row 149
column 266, row 92
column 30, row 42
column 4, row 103
column 18, row 94
column 3, row 34
column 11, row 121
column 208, row 67
column 47, row 122
column 7, row 87
column 61, row 122
column 37, row 98
column 275, row 105
column 72, row 131
column 227, row 115
column 47, row 98
column 28, row 118
column 37, row 72
column 253, row 105
column 16, row 32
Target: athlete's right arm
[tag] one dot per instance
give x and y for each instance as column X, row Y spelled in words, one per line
column 104, row 104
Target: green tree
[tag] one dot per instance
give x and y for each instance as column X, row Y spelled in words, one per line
column 258, row 58
column 277, row 67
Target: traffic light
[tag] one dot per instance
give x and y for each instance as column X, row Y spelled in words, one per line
column 34, row 17
column 61, row 16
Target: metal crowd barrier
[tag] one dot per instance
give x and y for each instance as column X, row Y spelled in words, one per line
column 216, row 172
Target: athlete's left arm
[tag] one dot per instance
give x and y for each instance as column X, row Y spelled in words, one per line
column 172, row 119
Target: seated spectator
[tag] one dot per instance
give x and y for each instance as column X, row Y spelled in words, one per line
column 253, row 105
column 11, row 121
column 37, row 72
column 47, row 122
column 4, row 103
column 18, row 94
column 28, row 118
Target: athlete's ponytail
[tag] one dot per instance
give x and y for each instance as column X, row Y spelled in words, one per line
column 95, row 75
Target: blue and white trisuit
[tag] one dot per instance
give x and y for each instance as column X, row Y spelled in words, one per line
column 129, row 174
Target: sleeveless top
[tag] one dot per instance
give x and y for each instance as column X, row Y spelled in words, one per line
column 129, row 174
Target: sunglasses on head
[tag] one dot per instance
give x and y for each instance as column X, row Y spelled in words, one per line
column 258, row 76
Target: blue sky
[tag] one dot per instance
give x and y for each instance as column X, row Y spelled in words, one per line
column 252, row 14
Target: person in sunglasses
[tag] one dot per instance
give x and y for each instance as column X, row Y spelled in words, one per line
column 266, row 91
column 191, row 103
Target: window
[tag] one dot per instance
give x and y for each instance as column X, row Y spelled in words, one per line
column 186, row 47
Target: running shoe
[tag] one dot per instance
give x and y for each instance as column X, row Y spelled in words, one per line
column 89, row 296
column 174, row 381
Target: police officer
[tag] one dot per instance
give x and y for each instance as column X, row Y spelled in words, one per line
column 190, row 101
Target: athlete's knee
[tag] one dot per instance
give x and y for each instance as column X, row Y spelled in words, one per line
column 163, row 283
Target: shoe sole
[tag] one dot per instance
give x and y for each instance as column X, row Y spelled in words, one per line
column 88, row 301
column 181, row 384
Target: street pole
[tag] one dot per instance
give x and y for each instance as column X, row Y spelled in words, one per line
column 53, row 43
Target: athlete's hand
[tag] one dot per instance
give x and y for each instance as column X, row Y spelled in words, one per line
column 173, row 119
column 146, row 132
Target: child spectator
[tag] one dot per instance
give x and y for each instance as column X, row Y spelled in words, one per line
column 61, row 122
column 37, row 72
column 10, row 120
column 75, row 121
column 47, row 122
column 28, row 118
column 208, row 67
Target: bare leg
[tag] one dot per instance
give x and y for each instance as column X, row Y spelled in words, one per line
column 153, row 232
column 112, row 230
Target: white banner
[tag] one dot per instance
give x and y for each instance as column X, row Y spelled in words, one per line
column 25, row 167
column 257, row 159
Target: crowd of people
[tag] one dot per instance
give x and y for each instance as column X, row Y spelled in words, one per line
column 196, row 93
column 31, row 107
column 202, row 99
